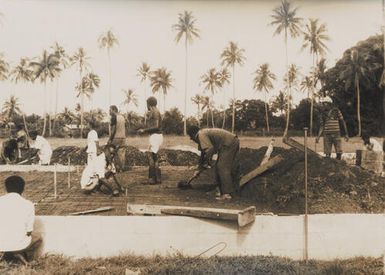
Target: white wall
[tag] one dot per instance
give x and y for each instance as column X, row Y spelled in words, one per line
column 330, row 236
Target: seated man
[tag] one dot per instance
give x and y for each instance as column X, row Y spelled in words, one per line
column 22, row 140
column 98, row 171
column 44, row 148
column 9, row 151
column 17, row 215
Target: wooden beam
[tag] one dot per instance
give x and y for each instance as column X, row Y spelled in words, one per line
column 295, row 144
column 97, row 210
column 242, row 217
column 260, row 169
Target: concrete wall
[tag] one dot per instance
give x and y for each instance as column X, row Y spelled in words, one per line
column 330, row 236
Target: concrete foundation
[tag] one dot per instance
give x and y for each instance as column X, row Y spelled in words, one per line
column 330, row 236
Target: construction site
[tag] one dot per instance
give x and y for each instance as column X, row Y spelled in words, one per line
column 271, row 205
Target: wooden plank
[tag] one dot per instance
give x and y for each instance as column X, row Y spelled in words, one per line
column 35, row 167
column 242, row 217
column 260, row 169
column 295, row 144
column 97, row 210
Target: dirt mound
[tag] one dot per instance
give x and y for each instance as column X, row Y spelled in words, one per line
column 134, row 157
column 333, row 186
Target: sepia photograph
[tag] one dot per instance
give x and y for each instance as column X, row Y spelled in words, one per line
column 192, row 137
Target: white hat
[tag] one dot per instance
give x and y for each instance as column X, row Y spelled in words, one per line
column 326, row 99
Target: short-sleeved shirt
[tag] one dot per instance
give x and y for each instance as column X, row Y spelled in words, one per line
column 17, row 216
column 331, row 123
column 374, row 145
column 92, row 138
column 119, row 122
column 42, row 145
column 214, row 138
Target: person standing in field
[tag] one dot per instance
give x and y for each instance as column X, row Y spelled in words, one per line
column 118, row 136
column 42, row 145
column 226, row 145
column 17, row 214
column 330, row 128
column 154, row 129
column 92, row 143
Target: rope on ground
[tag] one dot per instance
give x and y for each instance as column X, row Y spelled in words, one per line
column 212, row 247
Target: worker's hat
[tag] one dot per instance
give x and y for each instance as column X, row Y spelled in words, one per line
column 326, row 99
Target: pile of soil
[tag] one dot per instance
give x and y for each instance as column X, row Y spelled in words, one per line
column 134, row 157
column 333, row 186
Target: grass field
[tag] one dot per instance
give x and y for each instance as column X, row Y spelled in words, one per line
column 179, row 264
column 170, row 141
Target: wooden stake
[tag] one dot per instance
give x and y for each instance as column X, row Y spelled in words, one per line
column 69, row 172
column 306, row 210
column 54, row 182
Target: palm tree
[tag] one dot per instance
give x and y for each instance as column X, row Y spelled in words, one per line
column 67, row 116
column 161, row 80
column 263, row 82
column 314, row 39
column 107, row 41
column 206, row 104
column 308, row 85
column 212, row 82
column 197, row 99
column 4, row 68
column 224, row 76
column 11, row 108
column 186, row 27
column 48, row 67
column 360, row 68
column 285, row 18
column 64, row 62
column 130, row 97
column 280, row 102
column 22, row 72
column 231, row 56
column 319, row 72
column 144, row 73
column 290, row 79
column 86, row 87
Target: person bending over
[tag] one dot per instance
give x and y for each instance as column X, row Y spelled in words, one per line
column 226, row 145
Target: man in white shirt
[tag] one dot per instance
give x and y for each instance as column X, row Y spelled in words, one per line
column 17, row 216
column 92, row 143
column 43, row 147
column 96, row 174
column 371, row 144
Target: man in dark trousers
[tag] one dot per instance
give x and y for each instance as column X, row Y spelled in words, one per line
column 226, row 145
column 154, row 125
column 118, row 136
column 330, row 128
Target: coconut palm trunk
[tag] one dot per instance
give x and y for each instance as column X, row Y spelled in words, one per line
column 224, row 111
column 267, row 115
column 233, row 114
column 287, row 113
column 45, row 109
column 185, row 91
column 109, row 87
column 357, row 84
column 311, row 112
column 81, row 114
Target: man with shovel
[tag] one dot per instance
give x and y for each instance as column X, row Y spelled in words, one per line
column 226, row 145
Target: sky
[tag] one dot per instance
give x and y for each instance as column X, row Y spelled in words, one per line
column 144, row 30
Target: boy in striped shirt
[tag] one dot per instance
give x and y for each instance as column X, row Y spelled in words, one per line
column 330, row 128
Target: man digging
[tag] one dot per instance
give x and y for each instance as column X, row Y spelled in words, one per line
column 226, row 145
